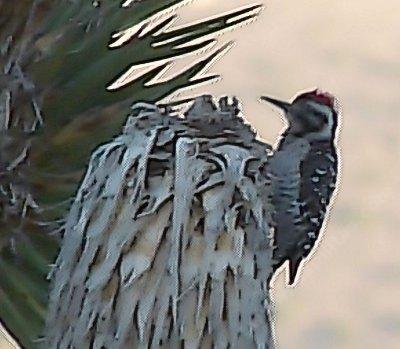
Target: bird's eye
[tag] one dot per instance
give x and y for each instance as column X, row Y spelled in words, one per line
column 321, row 116
column 318, row 113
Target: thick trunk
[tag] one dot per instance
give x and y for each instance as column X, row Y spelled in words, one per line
column 168, row 241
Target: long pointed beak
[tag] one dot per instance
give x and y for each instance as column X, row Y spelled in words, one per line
column 280, row 104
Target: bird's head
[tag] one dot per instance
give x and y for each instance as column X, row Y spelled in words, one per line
column 311, row 114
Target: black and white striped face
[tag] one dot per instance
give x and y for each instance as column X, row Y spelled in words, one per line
column 309, row 118
column 311, row 115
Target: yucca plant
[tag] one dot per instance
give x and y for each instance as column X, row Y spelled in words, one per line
column 59, row 101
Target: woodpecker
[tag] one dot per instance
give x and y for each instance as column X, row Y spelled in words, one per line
column 303, row 174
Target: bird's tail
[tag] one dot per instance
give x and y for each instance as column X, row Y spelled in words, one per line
column 293, row 268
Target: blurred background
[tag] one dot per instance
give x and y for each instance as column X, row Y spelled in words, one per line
column 349, row 293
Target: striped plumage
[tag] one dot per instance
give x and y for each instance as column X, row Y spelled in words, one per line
column 304, row 173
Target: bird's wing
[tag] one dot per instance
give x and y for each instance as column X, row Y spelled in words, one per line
column 319, row 174
column 284, row 169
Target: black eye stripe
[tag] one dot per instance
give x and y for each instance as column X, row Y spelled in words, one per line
column 320, row 115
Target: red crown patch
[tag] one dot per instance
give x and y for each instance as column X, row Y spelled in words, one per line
column 319, row 97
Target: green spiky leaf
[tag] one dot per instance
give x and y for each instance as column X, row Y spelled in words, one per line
column 58, row 63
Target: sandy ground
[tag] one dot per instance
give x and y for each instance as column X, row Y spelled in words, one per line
column 349, row 293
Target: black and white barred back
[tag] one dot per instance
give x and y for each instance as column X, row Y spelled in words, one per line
column 302, row 190
column 319, row 173
column 303, row 174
